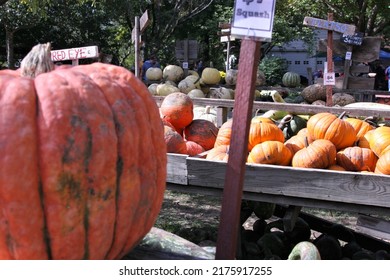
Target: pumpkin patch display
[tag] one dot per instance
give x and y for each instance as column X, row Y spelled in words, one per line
column 83, row 161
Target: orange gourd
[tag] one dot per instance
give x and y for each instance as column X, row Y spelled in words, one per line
column 219, row 153
column 270, row 152
column 83, row 161
column 263, row 131
column 330, row 127
column 201, row 131
column 224, row 134
column 383, row 164
column 320, row 153
column 379, row 140
column 356, row 159
column 174, row 141
column 177, row 108
column 193, row 148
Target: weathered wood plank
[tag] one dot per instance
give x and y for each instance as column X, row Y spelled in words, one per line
column 327, row 185
column 177, row 169
column 373, row 226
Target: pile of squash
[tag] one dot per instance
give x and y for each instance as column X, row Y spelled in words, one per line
column 184, row 134
column 326, row 141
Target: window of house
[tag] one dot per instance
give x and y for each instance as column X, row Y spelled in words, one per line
column 306, row 62
column 297, row 62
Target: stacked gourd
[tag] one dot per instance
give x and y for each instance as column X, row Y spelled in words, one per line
column 327, row 142
column 183, row 133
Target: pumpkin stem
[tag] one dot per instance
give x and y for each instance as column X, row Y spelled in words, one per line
column 372, row 121
column 342, row 115
column 285, row 120
column 306, row 142
column 37, row 61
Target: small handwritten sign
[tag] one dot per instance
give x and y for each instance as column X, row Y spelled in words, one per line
column 75, row 53
column 355, row 39
column 253, row 19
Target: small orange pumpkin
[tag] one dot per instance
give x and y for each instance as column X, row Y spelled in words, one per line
column 224, row 134
column 383, row 164
column 380, row 140
column 320, row 153
column 263, row 131
column 270, row 152
column 356, row 159
column 360, row 126
column 219, row 153
column 194, row 148
column 297, row 142
column 201, row 131
column 330, row 127
column 177, row 108
column 174, row 141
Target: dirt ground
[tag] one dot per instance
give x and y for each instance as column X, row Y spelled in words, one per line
column 196, row 217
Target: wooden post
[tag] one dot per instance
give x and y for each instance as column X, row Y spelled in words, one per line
column 329, row 58
column 347, row 65
column 137, row 50
column 235, row 169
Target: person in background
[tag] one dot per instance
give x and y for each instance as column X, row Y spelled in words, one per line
column 151, row 62
column 387, row 75
column 199, row 67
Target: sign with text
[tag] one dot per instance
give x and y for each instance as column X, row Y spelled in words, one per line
column 329, row 79
column 253, row 19
column 144, row 21
column 329, row 25
column 355, row 39
column 75, row 53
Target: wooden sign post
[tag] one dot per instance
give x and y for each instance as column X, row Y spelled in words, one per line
column 330, row 25
column 243, row 104
column 140, row 25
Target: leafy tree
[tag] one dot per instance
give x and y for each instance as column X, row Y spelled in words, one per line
column 15, row 16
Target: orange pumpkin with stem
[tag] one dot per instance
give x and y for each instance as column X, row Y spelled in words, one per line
column 270, row 152
column 356, row 159
column 320, row 153
column 330, row 127
column 261, row 131
column 83, row 165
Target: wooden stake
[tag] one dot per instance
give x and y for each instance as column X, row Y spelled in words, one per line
column 235, row 169
column 329, row 58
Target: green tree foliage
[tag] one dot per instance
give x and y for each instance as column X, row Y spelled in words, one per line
column 274, row 69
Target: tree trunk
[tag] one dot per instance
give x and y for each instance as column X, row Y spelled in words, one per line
column 9, row 38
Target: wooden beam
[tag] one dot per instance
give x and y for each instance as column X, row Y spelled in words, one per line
column 235, row 169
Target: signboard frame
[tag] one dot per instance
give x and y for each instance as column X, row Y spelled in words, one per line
column 253, row 19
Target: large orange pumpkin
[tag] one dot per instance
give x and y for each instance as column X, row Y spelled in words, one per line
column 83, row 162
column 330, row 127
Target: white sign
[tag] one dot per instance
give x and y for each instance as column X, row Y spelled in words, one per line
column 329, row 79
column 75, row 53
column 253, row 19
column 185, row 65
column 348, row 55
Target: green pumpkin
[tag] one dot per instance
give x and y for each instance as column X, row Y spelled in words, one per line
column 291, row 79
column 291, row 125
